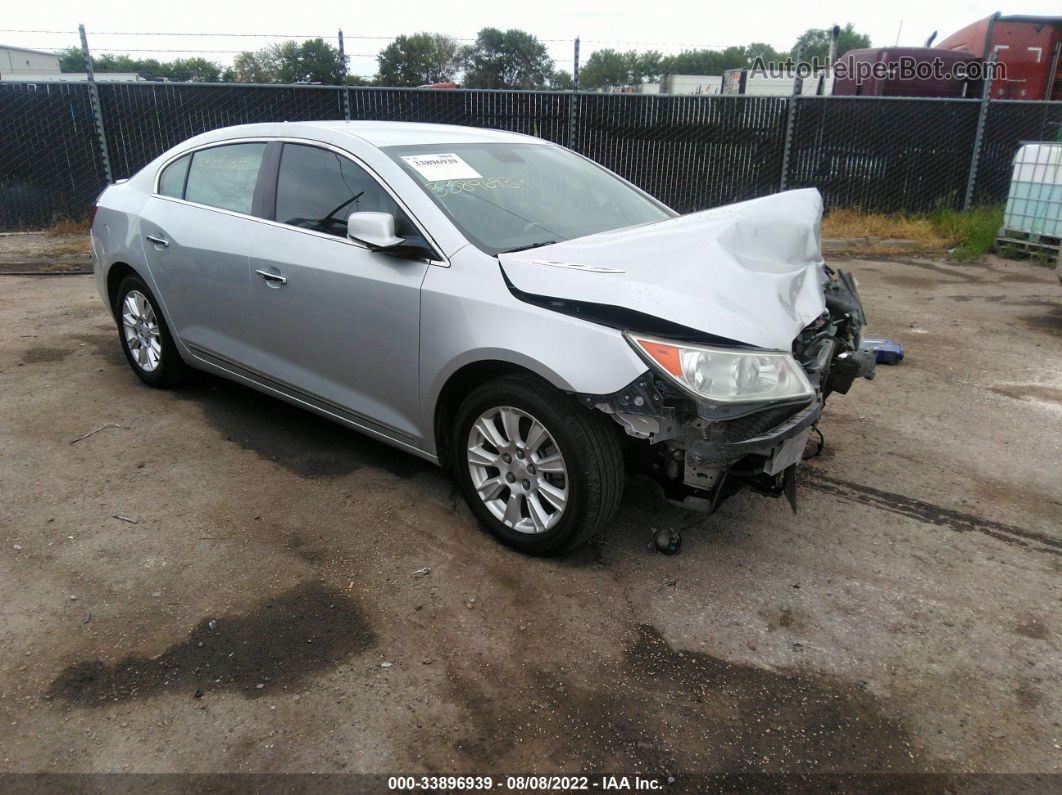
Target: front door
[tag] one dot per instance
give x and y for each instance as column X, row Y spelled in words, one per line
column 338, row 324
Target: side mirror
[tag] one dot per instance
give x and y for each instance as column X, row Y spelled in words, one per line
column 376, row 230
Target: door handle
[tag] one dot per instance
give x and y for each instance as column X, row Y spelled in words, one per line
column 274, row 279
column 158, row 241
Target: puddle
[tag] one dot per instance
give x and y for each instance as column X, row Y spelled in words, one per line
column 308, row 629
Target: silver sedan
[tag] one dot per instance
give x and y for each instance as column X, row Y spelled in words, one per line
column 491, row 302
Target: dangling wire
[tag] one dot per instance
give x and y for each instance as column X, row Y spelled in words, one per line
column 818, row 450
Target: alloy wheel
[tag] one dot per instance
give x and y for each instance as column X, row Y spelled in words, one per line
column 517, row 469
column 141, row 330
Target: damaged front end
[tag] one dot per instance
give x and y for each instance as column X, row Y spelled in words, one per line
column 707, row 421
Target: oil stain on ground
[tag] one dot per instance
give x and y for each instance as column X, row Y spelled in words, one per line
column 41, row 355
column 308, row 445
column 664, row 711
column 104, row 344
column 308, row 629
column 1050, row 322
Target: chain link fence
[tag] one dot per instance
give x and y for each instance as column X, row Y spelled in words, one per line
column 50, row 163
column 693, row 152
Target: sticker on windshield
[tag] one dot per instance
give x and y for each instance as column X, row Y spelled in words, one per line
column 441, row 167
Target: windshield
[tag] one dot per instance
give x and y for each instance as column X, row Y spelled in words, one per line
column 506, row 196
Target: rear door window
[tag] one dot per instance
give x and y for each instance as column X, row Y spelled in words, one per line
column 225, row 176
column 171, row 183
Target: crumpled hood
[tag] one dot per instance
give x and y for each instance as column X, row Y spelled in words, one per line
column 751, row 272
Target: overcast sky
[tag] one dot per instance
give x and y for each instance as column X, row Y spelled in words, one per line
column 620, row 24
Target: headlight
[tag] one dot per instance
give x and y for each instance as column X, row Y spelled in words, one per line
column 727, row 375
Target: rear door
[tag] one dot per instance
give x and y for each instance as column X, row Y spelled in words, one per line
column 197, row 231
column 339, row 324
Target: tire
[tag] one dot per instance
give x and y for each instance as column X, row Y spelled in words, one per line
column 559, row 506
column 157, row 363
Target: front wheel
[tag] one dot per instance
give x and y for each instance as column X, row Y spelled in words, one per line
column 539, row 471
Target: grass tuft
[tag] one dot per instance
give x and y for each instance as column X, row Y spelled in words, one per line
column 63, row 227
column 966, row 235
column 971, row 234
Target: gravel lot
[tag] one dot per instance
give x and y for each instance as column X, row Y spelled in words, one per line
column 259, row 606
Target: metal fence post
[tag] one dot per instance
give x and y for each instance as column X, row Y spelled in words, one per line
column 790, row 123
column 94, row 102
column 982, row 117
column 572, row 99
column 346, row 91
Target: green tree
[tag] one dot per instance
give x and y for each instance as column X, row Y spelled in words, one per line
column 71, row 59
column 815, row 43
column 609, row 68
column 705, row 62
column 765, row 51
column 109, row 62
column 509, row 59
column 312, row 61
column 605, row 69
column 419, row 59
column 185, row 70
column 250, row 67
column 561, row 80
column 193, row 70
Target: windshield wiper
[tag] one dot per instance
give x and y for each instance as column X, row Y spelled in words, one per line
column 529, row 246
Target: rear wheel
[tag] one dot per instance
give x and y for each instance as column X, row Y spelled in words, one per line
column 145, row 338
column 539, row 471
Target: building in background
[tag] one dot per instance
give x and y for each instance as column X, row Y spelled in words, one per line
column 36, row 66
column 691, row 84
column 17, row 61
column 70, row 77
column 757, row 84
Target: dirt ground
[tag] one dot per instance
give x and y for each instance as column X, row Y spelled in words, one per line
column 38, row 252
column 216, row 581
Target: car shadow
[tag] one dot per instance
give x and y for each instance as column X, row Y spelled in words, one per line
column 303, row 442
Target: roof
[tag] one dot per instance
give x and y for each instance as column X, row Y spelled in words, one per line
column 374, row 133
column 1032, row 20
column 27, row 49
column 399, row 133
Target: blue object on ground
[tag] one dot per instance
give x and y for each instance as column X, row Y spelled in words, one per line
column 887, row 351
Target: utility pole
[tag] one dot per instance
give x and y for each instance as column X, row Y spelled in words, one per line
column 343, row 76
column 94, row 103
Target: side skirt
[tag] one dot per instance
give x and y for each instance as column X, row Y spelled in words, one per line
column 219, row 365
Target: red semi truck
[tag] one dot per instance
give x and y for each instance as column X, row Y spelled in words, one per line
column 906, row 72
column 1029, row 48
